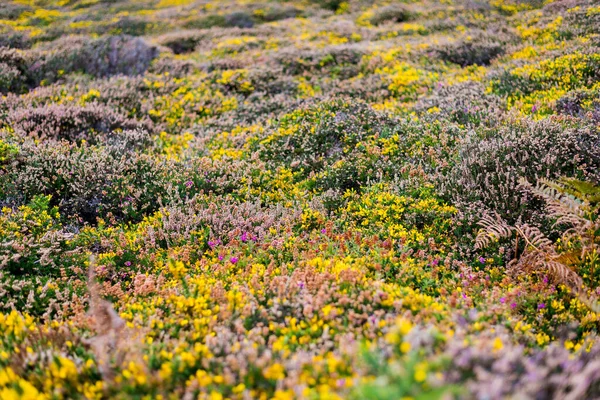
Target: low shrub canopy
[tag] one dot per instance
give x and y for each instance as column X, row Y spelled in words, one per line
column 318, row 199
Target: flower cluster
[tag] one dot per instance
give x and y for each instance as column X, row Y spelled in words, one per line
column 286, row 200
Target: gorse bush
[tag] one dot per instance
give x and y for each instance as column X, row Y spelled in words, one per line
column 324, row 199
column 31, row 248
column 318, row 136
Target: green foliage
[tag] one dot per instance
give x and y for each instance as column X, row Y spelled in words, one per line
column 7, row 152
column 280, row 200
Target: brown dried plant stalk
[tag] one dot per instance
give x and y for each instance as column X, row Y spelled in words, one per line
column 113, row 343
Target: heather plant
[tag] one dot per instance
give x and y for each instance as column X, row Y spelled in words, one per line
column 175, row 67
column 75, row 123
column 183, row 41
column 12, row 10
column 490, row 167
column 388, row 14
column 498, row 373
column 239, row 19
column 577, row 103
column 125, row 95
column 580, row 18
column 12, row 70
column 464, row 103
column 101, row 57
column 15, row 40
column 473, row 50
column 332, row 5
column 299, row 200
column 101, row 181
column 277, row 12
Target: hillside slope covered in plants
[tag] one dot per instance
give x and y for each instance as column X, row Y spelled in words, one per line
column 317, row 199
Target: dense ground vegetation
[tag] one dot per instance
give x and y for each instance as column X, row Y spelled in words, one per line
column 314, row 199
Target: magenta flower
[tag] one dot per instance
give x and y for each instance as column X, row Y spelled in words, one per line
column 482, row 260
column 128, row 263
column 189, row 184
column 234, row 260
column 244, row 237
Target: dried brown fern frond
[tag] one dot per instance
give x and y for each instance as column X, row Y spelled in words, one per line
column 566, row 208
column 541, row 253
column 533, row 237
column 492, row 228
column 114, row 342
column 105, row 317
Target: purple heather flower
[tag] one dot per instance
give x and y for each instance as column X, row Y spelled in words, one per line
column 244, row 237
column 541, row 306
column 234, row 260
column 323, row 230
column 482, row 260
column 435, row 262
column 534, row 108
column 513, row 305
column 128, row 263
column 545, row 280
column 502, row 300
column 189, row 184
column 220, row 257
column 301, row 285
